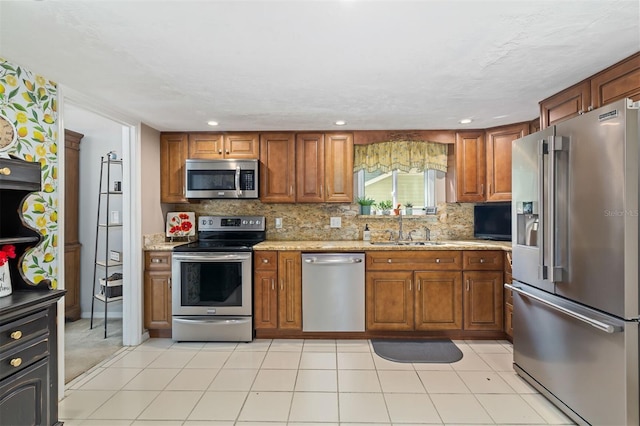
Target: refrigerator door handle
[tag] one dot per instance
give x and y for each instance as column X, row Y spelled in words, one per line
column 607, row 328
column 552, row 207
column 555, row 144
column 542, row 268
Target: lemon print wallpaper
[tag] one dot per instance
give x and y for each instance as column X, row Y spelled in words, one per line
column 30, row 102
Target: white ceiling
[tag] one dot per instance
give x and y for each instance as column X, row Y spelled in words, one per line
column 301, row 65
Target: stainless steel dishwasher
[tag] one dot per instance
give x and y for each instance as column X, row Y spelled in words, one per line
column 333, row 292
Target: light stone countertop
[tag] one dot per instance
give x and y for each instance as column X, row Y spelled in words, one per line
column 156, row 242
column 160, row 246
column 344, row 246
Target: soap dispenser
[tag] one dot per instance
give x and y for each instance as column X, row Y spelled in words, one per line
column 366, row 234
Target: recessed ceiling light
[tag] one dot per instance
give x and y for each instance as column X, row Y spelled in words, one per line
column 340, row 123
column 212, row 123
column 465, row 121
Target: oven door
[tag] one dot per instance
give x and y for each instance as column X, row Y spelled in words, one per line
column 211, row 283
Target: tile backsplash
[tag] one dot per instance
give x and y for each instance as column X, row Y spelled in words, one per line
column 311, row 221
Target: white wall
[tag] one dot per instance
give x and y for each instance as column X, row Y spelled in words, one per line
column 151, row 211
column 101, row 135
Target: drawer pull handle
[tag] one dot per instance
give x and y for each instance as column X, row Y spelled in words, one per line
column 16, row 362
column 156, row 260
column 388, row 260
column 16, row 335
column 5, row 171
column 438, row 260
column 481, row 260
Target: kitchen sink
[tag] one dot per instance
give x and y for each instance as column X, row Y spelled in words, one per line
column 407, row 243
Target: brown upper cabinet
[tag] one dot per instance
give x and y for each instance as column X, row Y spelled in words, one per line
column 277, row 167
column 338, row 169
column 567, row 104
column 470, row 166
column 498, row 159
column 621, row 80
column 324, row 167
column 306, row 167
column 214, row 146
column 483, row 163
column 173, row 155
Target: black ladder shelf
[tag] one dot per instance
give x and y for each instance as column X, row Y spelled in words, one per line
column 107, row 291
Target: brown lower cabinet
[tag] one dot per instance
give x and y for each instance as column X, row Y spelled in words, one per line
column 508, row 297
column 483, row 300
column 157, row 293
column 277, row 290
column 423, row 291
column 455, row 293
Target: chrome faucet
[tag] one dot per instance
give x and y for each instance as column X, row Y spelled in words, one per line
column 427, row 234
column 400, row 234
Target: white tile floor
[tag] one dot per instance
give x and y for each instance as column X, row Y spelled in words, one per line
column 295, row 382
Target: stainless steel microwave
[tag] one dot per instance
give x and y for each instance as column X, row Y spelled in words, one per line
column 221, row 178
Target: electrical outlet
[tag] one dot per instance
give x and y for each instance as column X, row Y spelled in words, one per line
column 278, row 222
column 336, row 222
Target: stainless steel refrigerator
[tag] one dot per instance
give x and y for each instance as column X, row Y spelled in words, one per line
column 575, row 264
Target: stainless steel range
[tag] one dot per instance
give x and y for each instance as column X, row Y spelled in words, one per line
column 212, row 280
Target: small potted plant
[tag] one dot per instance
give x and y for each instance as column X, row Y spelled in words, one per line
column 385, row 207
column 408, row 207
column 365, row 204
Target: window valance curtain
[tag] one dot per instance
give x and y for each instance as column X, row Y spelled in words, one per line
column 401, row 155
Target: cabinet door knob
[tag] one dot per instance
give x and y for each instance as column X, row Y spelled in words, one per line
column 16, row 362
column 265, row 260
column 5, row 171
column 16, row 335
column 219, row 151
column 438, row 260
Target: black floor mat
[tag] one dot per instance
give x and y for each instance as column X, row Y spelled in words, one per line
column 436, row 351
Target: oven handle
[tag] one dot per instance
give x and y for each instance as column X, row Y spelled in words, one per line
column 212, row 257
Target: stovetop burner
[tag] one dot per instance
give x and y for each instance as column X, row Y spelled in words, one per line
column 226, row 233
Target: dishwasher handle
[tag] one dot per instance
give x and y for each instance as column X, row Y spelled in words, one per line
column 337, row 261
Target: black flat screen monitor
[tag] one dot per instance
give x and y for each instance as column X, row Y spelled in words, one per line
column 492, row 221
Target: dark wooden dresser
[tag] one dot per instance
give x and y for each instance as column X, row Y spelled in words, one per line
column 29, row 358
